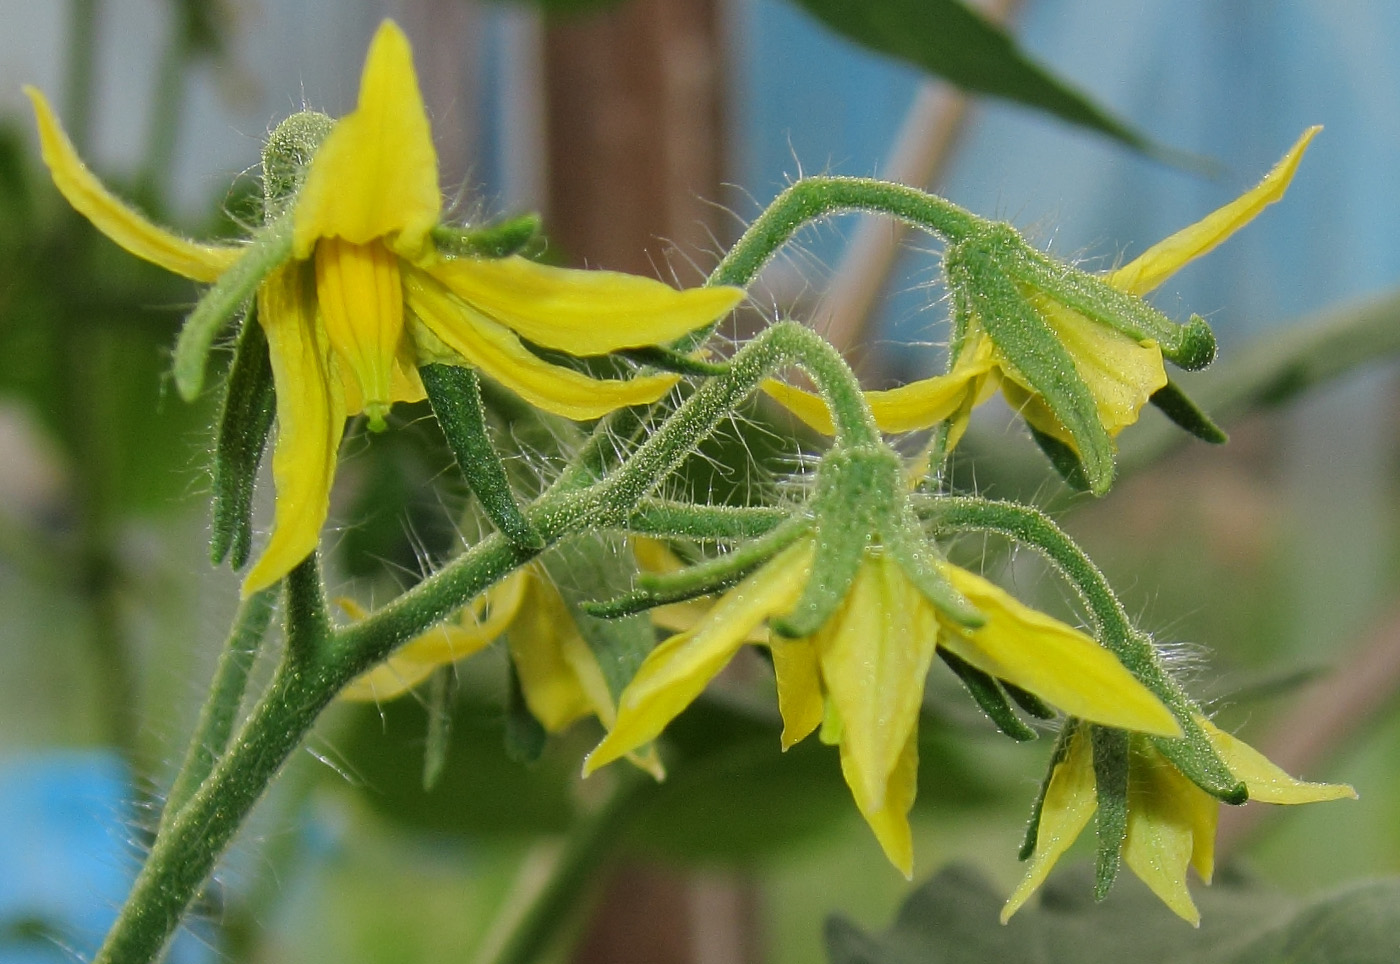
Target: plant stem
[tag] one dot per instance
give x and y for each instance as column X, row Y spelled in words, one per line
column 819, row 197
column 82, row 54
column 220, row 711
column 574, row 870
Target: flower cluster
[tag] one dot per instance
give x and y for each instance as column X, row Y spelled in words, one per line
column 357, row 297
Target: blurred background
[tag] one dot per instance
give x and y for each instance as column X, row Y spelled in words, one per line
column 647, row 133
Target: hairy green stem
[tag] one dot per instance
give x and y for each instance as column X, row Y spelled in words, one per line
column 818, row 197
column 220, row 712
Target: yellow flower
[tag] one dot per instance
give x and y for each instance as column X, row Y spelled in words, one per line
column 560, row 678
column 1120, row 372
column 365, row 295
column 863, row 673
column 1171, row 821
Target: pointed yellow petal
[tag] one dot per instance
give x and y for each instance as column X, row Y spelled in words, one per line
column 1166, row 812
column 875, row 654
column 464, row 636
column 487, row 346
column 537, row 638
column 580, row 312
column 201, row 262
column 1069, row 803
column 679, row 668
column 1165, row 258
column 890, row 823
column 310, row 420
column 1265, row 781
column 375, row 175
column 1059, row 664
column 800, row 699
column 360, row 293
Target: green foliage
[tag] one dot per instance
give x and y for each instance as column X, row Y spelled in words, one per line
column 952, row 919
column 949, row 39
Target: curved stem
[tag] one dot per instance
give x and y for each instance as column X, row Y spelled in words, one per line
column 818, row 197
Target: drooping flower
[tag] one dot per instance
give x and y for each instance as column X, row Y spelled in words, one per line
column 1120, row 370
column 1171, row 821
column 363, row 294
column 560, row 678
column 861, row 675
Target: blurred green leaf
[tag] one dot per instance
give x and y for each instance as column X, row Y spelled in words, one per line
column 733, row 795
column 952, row 919
column 480, row 791
column 951, row 40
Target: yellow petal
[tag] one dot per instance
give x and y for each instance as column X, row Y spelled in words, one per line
column 537, row 639
column 1120, row 373
column 1068, row 805
column 1265, row 781
column 360, row 293
column 1059, row 664
column 678, row 669
column 800, row 699
column 908, row 408
column 890, row 823
column 375, row 175
column 1166, row 257
column 580, row 312
column 875, row 654
column 201, row 262
column 487, row 346
column 310, row 420
column 464, row 636
column 1167, row 813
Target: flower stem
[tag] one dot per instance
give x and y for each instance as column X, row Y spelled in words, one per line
column 82, row 55
column 818, row 197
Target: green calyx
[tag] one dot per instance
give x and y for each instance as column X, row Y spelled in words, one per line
column 860, row 505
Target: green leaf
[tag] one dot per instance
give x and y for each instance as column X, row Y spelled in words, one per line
column 951, row 40
column 953, row 918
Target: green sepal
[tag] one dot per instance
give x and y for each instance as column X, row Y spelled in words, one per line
column 1028, row 702
column 599, row 566
column 286, row 157
column 983, row 269
column 455, row 395
column 270, row 247
column 1057, row 756
column 852, row 484
column 904, row 538
column 1178, row 406
column 708, row 523
column 704, row 578
column 1190, row 346
column 667, row 359
column 525, row 736
column 988, row 692
column 499, row 240
column 442, row 694
column 1063, row 459
column 1111, row 751
column 1197, row 346
column 1196, row 758
column 245, row 422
